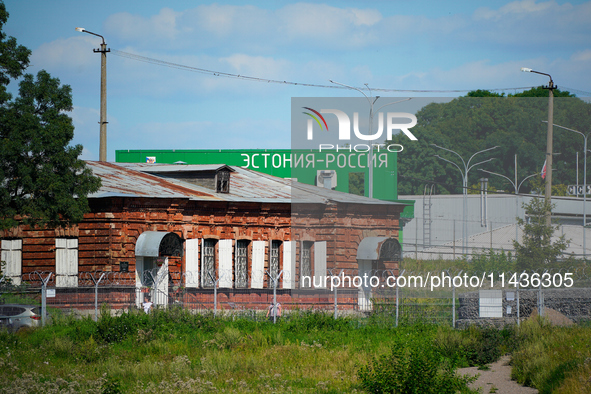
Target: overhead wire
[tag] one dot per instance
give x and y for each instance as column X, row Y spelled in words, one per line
column 215, row 73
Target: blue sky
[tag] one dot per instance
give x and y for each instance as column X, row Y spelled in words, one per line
column 400, row 45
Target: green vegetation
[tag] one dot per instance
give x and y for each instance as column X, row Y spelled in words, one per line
column 43, row 181
column 175, row 351
column 553, row 359
column 491, row 261
column 413, row 365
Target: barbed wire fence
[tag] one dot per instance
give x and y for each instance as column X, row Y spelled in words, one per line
column 449, row 296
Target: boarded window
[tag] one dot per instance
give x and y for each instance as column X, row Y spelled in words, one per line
column 257, row 275
column 319, row 263
column 12, row 251
column 289, row 264
column 66, row 262
column 225, row 266
column 192, row 263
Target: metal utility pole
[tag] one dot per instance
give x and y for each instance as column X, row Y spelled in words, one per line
column 550, row 88
column 103, row 111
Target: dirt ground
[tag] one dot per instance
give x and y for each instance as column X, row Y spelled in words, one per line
column 497, row 379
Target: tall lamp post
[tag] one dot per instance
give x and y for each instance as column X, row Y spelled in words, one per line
column 103, row 119
column 585, row 137
column 371, row 100
column 516, row 186
column 464, row 173
column 550, row 88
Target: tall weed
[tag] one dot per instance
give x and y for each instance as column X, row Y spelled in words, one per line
column 414, row 366
column 551, row 358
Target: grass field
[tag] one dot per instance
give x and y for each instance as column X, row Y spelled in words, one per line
column 175, row 351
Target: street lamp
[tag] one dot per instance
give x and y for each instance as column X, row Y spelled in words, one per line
column 371, row 115
column 550, row 88
column 516, row 187
column 103, row 116
column 467, row 168
column 585, row 137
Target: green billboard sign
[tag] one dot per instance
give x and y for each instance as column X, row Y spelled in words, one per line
column 343, row 169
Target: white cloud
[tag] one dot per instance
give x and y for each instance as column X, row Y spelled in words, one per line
column 210, row 26
column 326, row 26
column 160, row 28
column 88, row 155
column 226, row 29
column 582, row 56
column 532, row 25
column 522, row 8
column 74, row 53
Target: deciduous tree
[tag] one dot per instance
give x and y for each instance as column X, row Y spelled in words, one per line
column 43, row 182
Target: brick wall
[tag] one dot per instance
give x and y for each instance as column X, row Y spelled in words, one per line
column 108, row 234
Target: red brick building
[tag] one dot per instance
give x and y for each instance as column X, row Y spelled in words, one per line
column 197, row 227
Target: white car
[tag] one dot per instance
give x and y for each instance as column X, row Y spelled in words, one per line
column 15, row 316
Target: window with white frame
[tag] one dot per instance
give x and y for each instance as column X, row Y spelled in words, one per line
column 66, row 262
column 192, row 263
column 12, row 251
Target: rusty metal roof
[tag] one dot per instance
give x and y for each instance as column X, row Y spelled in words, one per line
column 118, row 181
column 133, row 180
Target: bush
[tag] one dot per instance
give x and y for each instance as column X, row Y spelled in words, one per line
column 412, row 367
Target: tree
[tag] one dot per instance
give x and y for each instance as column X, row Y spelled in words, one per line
column 484, row 93
column 14, row 58
column 541, row 92
column 43, row 181
column 538, row 251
